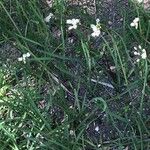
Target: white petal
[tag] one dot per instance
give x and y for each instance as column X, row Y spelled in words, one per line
column 97, row 128
column 71, row 132
column 93, row 34
column 144, row 55
column 47, row 19
column 24, row 56
column 136, row 53
column 143, row 51
column 20, row 59
column 96, row 33
column 74, row 26
column 136, row 19
column 136, row 25
column 76, row 21
column 28, row 54
column 140, row 47
column 132, row 24
column 73, row 21
column 24, row 61
column 94, row 27
column 69, row 21
column 97, row 21
column 71, row 27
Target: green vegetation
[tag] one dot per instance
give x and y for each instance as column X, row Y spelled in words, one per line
column 63, row 89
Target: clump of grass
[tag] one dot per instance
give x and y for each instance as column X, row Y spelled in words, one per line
column 73, row 91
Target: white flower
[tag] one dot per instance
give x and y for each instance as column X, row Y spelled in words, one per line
column 28, row 54
column 144, row 55
column 135, row 48
column 137, row 53
column 73, row 23
column 96, row 29
column 140, row 47
column 47, row 19
column 20, row 59
column 138, row 60
column 97, row 128
column 99, row 145
column 141, row 54
column 135, row 23
column 24, row 56
column 71, row 132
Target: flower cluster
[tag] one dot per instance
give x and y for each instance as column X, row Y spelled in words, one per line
column 141, row 53
column 24, row 57
column 96, row 28
column 47, row 19
column 73, row 23
column 135, row 23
